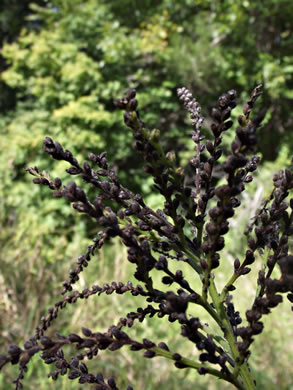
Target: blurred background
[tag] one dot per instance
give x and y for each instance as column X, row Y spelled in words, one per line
column 62, row 62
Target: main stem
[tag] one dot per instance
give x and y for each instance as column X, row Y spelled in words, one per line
column 229, row 335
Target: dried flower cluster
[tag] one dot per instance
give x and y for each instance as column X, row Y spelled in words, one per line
column 189, row 229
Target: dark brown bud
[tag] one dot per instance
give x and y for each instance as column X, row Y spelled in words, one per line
column 236, row 264
column 249, row 258
column 132, row 105
column 208, row 168
column 228, row 212
column 176, row 356
column 226, row 126
column 167, row 280
column 148, row 343
column 251, row 243
column 290, row 297
column 112, row 383
column 57, row 183
column 180, row 221
column 248, row 179
column 86, row 332
column 205, row 247
column 47, row 342
column 216, row 114
column 226, row 114
column 252, row 315
column 224, row 228
column 215, row 213
column 203, row 264
column 163, row 346
column 210, row 147
column 274, row 300
column 242, row 121
column 211, row 229
column 215, row 129
column 130, row 94
column 149, row 354
column 14, row 350
column 120, row 103
column 257, row 327
column 75, row 338
column 245, row 271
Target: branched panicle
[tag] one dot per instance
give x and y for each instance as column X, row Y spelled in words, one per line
column 190, row 228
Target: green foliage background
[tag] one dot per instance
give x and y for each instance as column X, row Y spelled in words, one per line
column 64, row 61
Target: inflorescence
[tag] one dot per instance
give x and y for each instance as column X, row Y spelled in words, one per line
column 191, row 229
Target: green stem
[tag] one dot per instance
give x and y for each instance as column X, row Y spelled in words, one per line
column 210, row 310
column 199, row 234
column 192, row 364
column 225, row 291
column 206, row 278
column 222, row 320
column 192, row 260
column 229, row 336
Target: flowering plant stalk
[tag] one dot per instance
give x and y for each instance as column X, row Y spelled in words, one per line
column 190, row 229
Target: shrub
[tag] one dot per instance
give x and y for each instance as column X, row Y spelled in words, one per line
column 190, row 229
